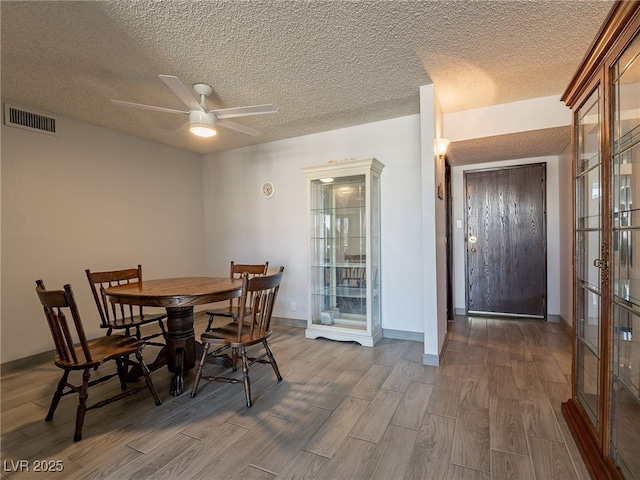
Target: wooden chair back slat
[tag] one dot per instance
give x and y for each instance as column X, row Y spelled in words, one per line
column 259, row 295
column 236, row 270
column 113, row 312
column 121, row 316
column 55, row 302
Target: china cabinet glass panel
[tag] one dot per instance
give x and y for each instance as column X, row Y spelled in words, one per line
column 344, row 230
column 625, row 408
column 588, row 246
column 588, row 256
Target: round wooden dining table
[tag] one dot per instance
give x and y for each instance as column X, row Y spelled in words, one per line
column 178, row 296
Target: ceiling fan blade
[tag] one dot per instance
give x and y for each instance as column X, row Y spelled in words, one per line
column 181, row 91
column 240, row 128
column 243, row 111
column 149, row 107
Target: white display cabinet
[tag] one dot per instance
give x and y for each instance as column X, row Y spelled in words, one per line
column 344, row 251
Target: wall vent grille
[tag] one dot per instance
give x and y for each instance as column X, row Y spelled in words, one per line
column 20, row 117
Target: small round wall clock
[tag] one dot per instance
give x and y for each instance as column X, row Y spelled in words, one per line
column 268, row 189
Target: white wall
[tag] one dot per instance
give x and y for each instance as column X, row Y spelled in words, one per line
column 555, row 267
column 89, row 198
column 433, row 229
column 243, row 226
column 522, row 116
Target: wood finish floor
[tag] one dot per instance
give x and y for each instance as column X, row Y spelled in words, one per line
column 491, row 411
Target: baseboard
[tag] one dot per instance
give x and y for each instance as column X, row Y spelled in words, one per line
column 431, row 360
column 386, row 332
column 28, row 362
column 566, row 325
column 289, row 322
column 403, row 335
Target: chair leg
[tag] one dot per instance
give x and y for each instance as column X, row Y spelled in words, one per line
column 147, row 378
column 272, row 360
column 57, row 396
column 234, row 359
column 122, row 367
column 163, row 329
column 203, row 360
column 209, row 324
column 82, row 404
column 245, row 375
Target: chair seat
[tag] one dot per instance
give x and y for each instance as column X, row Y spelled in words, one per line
column 228, row 335
column 102, row 350
column 224, row 312
column 232, row 312
column 129, row 322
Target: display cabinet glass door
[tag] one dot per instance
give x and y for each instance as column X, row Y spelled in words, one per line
column 339, row 249
column 590, row 258
column 625, row 386
column 374, row 235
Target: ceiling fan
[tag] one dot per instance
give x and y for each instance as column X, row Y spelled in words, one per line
column 202, row 122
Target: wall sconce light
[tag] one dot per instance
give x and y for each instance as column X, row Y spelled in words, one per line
column 441, row 145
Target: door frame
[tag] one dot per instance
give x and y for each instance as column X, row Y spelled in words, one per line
column 544, row 228
column 448, row 199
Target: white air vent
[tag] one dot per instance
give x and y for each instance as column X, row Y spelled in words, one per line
column 20, row 117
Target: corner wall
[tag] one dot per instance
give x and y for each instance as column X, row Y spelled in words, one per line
column 434, row 266
column 241, row 225
column 89, row 198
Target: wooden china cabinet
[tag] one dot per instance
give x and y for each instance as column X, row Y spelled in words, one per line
column 603, row 412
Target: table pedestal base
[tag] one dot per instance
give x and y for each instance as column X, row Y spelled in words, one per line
column 181, row 353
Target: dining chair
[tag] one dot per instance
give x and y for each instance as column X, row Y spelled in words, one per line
column 118, row 316
column 232, row 309
column 75, row 353
column 251, row 329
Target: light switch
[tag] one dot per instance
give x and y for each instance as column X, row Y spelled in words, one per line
column 458, row 223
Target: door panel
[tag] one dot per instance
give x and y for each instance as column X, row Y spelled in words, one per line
column 506, row 241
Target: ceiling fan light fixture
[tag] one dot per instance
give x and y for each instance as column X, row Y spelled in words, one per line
column 203, row 130
column 202, row 123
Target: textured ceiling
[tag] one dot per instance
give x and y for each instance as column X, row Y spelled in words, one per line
column 323, row 64
column 534, row 143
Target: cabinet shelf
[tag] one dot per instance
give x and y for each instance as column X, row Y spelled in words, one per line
column 333, row 238
column 348, row 292
column 627, row 140
column 337, row 210
column 344, row 233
